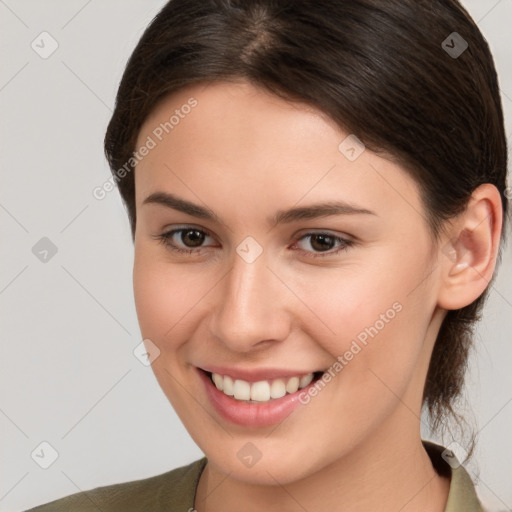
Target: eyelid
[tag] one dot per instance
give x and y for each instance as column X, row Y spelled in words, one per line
column 325, row 231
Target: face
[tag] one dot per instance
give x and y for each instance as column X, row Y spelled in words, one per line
column 256, row 289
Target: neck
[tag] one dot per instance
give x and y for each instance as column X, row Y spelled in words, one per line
column 390, row 472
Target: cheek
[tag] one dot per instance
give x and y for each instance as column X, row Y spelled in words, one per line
column 363, row 301
column 369, row 319
column 164, row 301
column 170, row 300
column 161, row 296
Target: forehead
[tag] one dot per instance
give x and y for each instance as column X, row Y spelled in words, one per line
column 233, row 112
column 249, row 144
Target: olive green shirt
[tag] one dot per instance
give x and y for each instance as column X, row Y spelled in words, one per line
column 175, row 491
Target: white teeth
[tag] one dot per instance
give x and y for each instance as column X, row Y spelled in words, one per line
column 292, row 385
column 261, row 391
column 306, row 380
column 278, row 388
column 242, row 390
column 227, row 386
column 218, row 380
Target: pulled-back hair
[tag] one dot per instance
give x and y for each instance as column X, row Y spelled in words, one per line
column 381, row 69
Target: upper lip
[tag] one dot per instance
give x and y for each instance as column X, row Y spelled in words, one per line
column 255, row 374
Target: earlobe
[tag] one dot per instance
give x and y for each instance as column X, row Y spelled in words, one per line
column 468, row 259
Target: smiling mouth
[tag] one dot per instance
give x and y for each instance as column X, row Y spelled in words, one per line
column 263, row 391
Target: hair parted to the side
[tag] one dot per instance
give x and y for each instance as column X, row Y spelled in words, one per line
column 378, row 69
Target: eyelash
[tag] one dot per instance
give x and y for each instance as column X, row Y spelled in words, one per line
column 165, row 239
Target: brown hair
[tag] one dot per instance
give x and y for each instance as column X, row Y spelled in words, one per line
column 379, row 68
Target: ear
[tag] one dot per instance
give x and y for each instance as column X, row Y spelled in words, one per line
column 469, row 252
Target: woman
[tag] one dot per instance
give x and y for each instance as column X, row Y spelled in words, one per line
column 316, row 191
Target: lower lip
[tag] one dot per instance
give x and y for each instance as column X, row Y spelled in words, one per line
column 255, row 414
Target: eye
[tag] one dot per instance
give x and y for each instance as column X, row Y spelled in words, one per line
column 324, row 243
column 191, row 237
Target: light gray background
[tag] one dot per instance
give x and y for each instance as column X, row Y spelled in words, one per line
column 69, row 327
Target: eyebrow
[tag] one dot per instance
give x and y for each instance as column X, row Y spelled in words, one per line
column 280, row 217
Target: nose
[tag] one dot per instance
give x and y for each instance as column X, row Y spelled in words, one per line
column 251, row 309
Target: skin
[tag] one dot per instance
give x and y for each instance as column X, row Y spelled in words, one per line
column 245, row 154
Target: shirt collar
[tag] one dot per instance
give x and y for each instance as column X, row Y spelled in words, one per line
column 462, row 495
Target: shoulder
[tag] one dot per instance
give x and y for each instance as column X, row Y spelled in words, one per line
column 175, row 488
